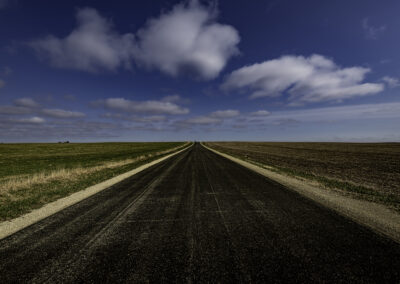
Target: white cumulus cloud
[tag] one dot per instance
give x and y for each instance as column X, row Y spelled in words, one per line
column 187, row 39
column 305, row 79
column 92, row 46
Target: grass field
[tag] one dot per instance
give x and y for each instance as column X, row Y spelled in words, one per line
column 32, row 175
column 366, row 170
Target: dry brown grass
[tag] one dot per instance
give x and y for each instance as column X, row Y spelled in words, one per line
column 24, row 181
column 13, row 183
column 32, row 175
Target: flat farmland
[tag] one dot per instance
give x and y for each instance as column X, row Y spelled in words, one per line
column 367, row 170
column 32, row 175
column 198, row 217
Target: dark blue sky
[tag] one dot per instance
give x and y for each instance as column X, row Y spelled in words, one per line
column 276, row 70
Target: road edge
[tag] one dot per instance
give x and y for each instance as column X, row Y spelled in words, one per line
column 372, row 215
column 12, row 226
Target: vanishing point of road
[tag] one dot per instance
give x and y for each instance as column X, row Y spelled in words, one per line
column 198, row 217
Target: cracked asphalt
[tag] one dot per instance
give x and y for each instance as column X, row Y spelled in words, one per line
column 198, row 217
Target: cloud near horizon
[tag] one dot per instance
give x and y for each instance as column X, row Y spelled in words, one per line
column 229, row 113
column 216, row 117
column 26, row 115
column 28, row 106
column 26, row 102
column 142, row 107
column 33, row 120
column 60, row 113
column 343, row 113
column 185, row 40
column 260, row 113
column 305, row 79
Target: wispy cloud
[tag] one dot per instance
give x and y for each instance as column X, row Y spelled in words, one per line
column 12, row 121
column 27, row 120
column 294, row 118
column 69, row 97
column 372, row 32
column 26, row 102
column 175, row 99
column 391, row 81
column 142, row 107
column 260, row 113
column 213, row 118
column 201, row 120
column 6, row 71
column 33, row 129
column 14, row 110
column 34, row 120
column 135, row 118
column 60, row 113
column 305, row 79
column 229, row 113
column 340, row 113
column 28, row 106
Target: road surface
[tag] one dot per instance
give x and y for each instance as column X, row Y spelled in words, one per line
column 198, row 217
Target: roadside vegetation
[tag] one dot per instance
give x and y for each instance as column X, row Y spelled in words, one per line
column 32, row 175
column 364, row 170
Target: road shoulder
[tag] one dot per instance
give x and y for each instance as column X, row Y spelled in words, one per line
column 375, row 216
column 10, row 227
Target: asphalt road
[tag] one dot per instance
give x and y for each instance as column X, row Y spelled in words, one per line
column 198, row 217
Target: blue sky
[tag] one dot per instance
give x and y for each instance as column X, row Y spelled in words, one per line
column 266, row 70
